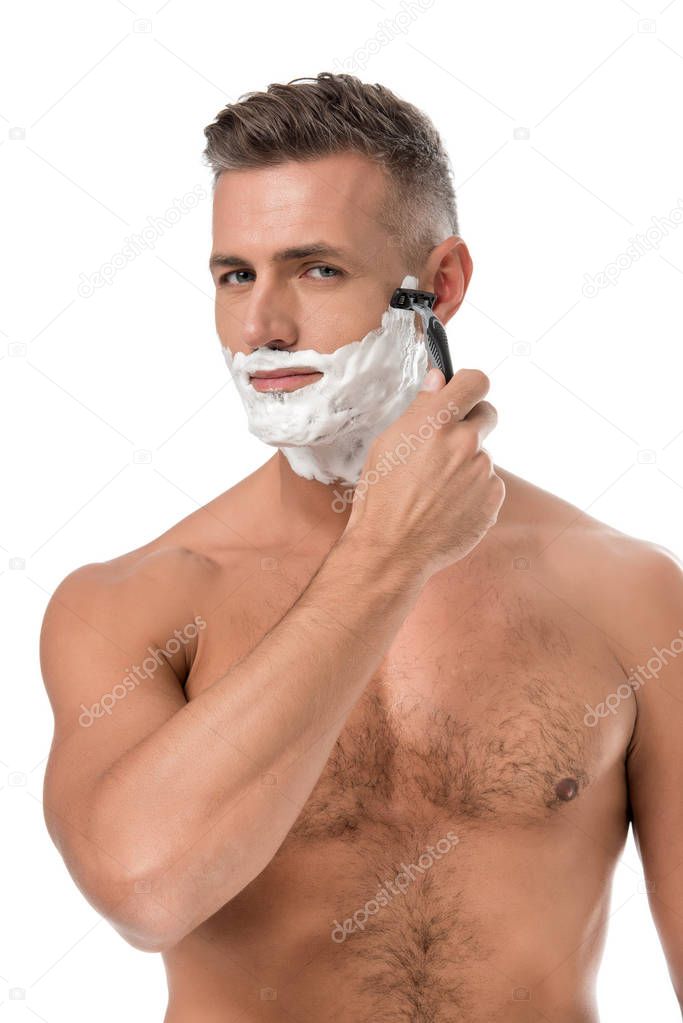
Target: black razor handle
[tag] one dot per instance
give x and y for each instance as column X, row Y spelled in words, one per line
column 435, row 334
column 437, row 344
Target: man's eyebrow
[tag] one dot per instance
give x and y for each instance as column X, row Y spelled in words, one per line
column 284, row 255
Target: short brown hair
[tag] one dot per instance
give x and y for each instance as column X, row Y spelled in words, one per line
column 336, row 113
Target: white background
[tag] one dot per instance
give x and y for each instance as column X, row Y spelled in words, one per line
column 563, row 125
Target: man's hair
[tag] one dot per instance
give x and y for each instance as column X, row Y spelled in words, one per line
column 338, row 113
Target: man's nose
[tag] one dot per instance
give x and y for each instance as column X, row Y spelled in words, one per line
column 268, row 322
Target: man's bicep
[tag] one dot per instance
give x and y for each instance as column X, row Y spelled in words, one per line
column 655, row 758
column 655, row 778
column 110, row 684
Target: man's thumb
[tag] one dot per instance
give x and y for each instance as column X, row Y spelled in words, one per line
column 434, row 380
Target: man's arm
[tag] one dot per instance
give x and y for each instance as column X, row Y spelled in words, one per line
column 159, row 806
column 653, row 613
column 97, row 630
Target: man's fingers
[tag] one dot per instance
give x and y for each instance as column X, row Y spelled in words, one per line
column 483, row 418
column 465, row 389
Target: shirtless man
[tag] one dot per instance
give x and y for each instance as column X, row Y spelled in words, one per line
column 385, row 763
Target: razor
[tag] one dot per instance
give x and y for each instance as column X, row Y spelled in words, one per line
column 435, row 334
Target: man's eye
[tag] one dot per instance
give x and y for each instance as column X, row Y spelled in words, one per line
column 224, row 278
column 332, row 268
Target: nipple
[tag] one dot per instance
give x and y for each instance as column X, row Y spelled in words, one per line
column 566, row 789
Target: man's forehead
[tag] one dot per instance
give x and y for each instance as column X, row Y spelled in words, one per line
column 347, row 185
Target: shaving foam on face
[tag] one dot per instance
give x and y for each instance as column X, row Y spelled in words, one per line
column 325, row 428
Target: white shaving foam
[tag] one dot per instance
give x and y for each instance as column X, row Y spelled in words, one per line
column 325, row 428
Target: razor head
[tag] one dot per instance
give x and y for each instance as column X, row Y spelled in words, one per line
column 408, row 298
column 436, row 339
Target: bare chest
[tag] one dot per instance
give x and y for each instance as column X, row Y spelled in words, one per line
column 492, row 740
column 476, row 716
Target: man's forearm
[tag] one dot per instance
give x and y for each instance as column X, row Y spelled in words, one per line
column 201, row 806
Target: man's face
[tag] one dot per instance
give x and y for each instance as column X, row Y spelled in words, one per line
column 267, row 297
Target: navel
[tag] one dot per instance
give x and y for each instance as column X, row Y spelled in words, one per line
column 566, row 789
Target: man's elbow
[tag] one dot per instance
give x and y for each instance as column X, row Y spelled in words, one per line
column 141, row 918
column 130, row 904
column 146, row 938
column 133, row 901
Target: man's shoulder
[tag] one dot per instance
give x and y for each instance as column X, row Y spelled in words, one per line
column 164, row 576
column 141, row 591
column 174, row 567
column 628, row 586
column 217, row 532
column 556, row 528
column 201, row 541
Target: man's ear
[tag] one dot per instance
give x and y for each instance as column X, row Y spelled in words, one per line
column 447, row 274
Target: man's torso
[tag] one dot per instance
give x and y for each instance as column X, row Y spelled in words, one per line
column 453, row 860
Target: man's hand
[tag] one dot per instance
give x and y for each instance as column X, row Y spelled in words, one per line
column 433, row 494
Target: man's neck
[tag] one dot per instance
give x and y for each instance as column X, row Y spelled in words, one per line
column 306, row 505
column 300, row 508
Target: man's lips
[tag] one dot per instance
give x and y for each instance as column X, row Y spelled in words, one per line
column 283, row 379
column 294, row 371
